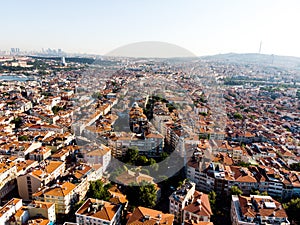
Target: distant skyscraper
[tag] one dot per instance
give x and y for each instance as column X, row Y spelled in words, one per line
column 63, row 61
column 14, row 51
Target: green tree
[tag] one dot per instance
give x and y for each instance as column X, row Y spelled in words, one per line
column 293, row 208
column 235, row 190
column 154, row 167
column 131, row 155
column 151, row 161
column 295, row 166
column 243, row 164
column 97, row 95
column 98, row 190
column 237, row 116
column 23, row 138
column 212, row 199
column 203, row 114
column 255, row 192
column 142, row 195
column 164, row 155
column 145, row 171
column 141, row 160
column 17, row 121
column 264, row 193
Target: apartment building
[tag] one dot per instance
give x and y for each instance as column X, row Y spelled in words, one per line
column 98, row 212
column 257, row 209
column 36, row 178
column 63, row 195
column 180, row 198
column 100, row 155
column 8, row 174
column 36, row 212
column 198, row 208
column 9, row 209
column 144, row 216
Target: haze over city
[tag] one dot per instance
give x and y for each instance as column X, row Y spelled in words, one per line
column 202, row 27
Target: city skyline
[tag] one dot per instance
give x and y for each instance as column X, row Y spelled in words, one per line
column 202, row 27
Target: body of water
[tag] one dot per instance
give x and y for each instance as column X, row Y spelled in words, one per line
column 15, row 78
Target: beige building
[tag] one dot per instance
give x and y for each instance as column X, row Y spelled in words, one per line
column 63, row 196
column 40, row 154
column 151, row 144
column 43, row 209
column 40, row 212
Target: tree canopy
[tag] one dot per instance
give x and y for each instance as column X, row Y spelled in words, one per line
column 235, row 190
column 212, row 199
column 131, row 155
column 98, row 190
column 293, row 208
column 295, row 166
column 143, row 195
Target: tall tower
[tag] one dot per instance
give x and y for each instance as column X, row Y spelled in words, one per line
column 259, row 51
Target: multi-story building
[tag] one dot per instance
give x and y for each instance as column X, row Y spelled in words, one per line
column 273, row 180
column 8, row 173
column 291, row 185
column 137, row 119
column 37, row 178
column 98, row 212
column 40, row 154
column 180, row 198
column 42, row 209
column 38, row 212
column 9, row 209
column 151, row 144
column 63, row 195
column 198, row 209
column 101, row 155
column 203, row 179
column 142, row 215
column 257, row 209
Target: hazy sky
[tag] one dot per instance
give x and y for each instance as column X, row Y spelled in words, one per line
column 203, row 27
